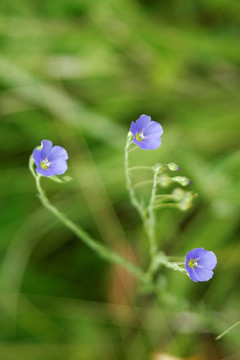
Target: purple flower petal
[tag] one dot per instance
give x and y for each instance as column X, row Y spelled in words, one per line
column 202, row 274
column 146, row 133
column 153, row 128
column 133, row 128
column 50, row 160
column 208, row 261
column 37, row 157
column 59, row 167
column 192, row 275
column 140, row 144
column 200, row 263
column 196, row 253
column 142, row 122
column 46, row 148
column 147, row 144
column 45, row 172
column 57, row 152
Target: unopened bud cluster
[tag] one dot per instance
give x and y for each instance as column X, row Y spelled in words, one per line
column 181, row 197
column 182, row 180
column 165, row 180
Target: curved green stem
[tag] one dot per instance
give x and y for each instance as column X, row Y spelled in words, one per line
column 101, row 250
column 135, row 202
column 142, row 183
column 134, row 168
column 175, row 266
column 151, row 224
column 132, row 149
column 166, row 205
column 165, row 196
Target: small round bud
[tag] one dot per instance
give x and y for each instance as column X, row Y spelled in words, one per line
column 157, row 167
column 130, row 135
column 164, row 180
column 173, row 167
column 184, row 206
column 188, row 196
column 182, row 180
column 178, row 194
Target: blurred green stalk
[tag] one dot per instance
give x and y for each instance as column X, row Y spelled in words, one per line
column 100, row 250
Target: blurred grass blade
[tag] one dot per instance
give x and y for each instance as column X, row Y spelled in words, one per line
column 226, row 331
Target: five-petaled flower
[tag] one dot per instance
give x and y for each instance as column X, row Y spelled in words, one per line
column 50, row 160
column 146, row 133
column 200, row 263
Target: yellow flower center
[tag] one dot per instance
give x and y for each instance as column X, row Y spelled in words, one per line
column 192, row 263
column 45, row 164
column 139, row 136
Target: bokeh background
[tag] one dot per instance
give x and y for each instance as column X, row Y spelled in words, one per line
column 78, row 72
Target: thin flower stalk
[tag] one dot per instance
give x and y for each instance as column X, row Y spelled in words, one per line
column 142, row 183
column 98, row 248
column 151, row 223
column 175, row 266
column 133, row 198
column 134, row 168
column 166, row 205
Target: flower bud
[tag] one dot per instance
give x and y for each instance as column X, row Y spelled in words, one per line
column 173, row 167
column 158, row 167
column 188, row 196
column 178, row 194
column 182, row 180
column 164, row 180
column 184, row 206
column 129, row 135
column 186, row 201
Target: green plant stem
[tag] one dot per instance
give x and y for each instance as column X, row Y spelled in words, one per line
column 132, row 149
column 161, row 200
column 147, row 215
column 166, row 205
column 175, row 266
column 226, row 331
column 151, row 226
column 133, row 198
column 142, row 183
column 99, row 249
column 134, row 168
column 164, row 196
column 151, row 223
column 177, row 259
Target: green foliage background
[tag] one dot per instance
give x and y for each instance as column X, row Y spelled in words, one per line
column 78, row 72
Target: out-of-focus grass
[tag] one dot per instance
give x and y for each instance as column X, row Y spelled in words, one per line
column 78, row 73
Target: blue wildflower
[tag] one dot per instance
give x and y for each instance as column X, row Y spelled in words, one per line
column 146, row 133
column 200, row 263
column 50, row 160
